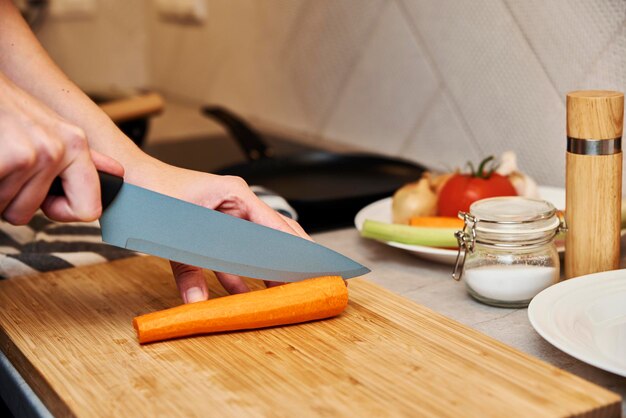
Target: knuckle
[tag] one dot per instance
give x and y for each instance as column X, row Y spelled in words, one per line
column 237, row 182
column 24, row 158
column 182, row 271
column 75, row 138
column 51, row 152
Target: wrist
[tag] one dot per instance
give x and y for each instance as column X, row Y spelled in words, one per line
column 143, row 170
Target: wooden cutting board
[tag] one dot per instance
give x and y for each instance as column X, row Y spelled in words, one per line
column 69, row 334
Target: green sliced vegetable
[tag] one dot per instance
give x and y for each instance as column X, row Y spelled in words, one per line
column 412, row 235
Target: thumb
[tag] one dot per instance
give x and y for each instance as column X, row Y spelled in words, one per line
column 190, row 282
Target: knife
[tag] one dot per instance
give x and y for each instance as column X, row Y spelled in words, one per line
column 149, row 222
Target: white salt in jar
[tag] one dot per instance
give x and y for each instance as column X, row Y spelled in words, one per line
column 507, row 253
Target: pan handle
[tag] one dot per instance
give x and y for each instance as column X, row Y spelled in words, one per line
column 249, row 140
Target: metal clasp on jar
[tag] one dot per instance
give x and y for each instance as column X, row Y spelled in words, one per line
column 466, row 239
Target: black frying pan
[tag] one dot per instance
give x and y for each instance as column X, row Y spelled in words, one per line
column 327, row 189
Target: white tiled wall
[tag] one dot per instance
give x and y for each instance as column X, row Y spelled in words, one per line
column 569, row 37
column 438, row 81
column 495, row 80
column 388, row 88
column 106, row 52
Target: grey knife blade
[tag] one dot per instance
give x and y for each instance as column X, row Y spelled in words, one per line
column 152, row 223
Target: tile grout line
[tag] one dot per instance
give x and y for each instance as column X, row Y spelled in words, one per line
column 295, row 24
column 172, row 64
column 534, row 51
column 148, row 44
column 429, row 57
column 439, row 90
column 325, row 119
column 419, row 121
column 621, row 28
column 283, row 55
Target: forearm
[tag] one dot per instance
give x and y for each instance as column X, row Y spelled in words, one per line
column 24, row 61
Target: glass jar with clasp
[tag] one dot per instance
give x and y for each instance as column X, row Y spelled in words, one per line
column 507, row 252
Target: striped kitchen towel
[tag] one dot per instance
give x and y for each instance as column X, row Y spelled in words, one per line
column 44, row 245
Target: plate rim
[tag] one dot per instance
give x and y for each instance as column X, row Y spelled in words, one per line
column 548, row 295
column 434, row 252
column 408, row 247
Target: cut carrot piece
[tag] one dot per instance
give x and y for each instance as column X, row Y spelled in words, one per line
column 308, row 300
column 436, row 222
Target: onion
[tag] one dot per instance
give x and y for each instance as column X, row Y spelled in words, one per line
column 414, row 199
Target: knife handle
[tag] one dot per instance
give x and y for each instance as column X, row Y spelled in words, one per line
column 110, row 186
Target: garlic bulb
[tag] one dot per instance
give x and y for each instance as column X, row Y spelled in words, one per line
column 438, row 181
column 524, row 185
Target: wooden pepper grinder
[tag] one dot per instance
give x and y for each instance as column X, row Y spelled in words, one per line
column 595, row 121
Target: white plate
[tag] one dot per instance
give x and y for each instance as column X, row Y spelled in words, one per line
column 381, row 211
column 586, row 318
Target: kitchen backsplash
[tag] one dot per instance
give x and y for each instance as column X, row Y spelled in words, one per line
column 438, row 81
column 106, row 51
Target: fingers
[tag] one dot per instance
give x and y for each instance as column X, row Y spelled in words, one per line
column 190, row 282
column 82, row 198
column 28, row 199
column 248, row 206
column 17, row 165
column 80, row 184
column 9, row 188
column 36, row 152
column 259, row 212
column 230, row 195
column 37, row 146
column 42, row 155
column 269, row 283
column 232, row 283
column 295, row 226
column 264, row 215
column 107, row 164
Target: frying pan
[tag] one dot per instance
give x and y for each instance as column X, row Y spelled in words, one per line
column 327, row 189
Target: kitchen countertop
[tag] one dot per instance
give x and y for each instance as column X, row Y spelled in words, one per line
column 69, row 334
column 430, row 284
column 421, row 281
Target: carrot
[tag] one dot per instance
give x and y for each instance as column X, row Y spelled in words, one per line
column 311, row 299
column 436, row 222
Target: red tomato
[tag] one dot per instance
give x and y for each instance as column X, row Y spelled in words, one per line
column 461, row 190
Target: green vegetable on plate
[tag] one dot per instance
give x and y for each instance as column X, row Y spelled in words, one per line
column 412, row 235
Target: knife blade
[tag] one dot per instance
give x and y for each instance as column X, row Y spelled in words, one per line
column 149, row 222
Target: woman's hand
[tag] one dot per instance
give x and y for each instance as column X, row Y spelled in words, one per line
column 230, row 195
column 36, row 146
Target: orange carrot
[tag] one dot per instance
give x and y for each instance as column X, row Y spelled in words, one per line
column 311, row 299
column 436, row 222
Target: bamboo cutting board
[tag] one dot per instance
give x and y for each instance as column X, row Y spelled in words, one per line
column 69, row 334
